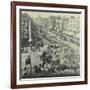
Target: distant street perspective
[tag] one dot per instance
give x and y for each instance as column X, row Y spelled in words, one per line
column 49, row 44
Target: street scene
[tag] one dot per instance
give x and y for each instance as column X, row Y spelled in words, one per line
column 49, row 44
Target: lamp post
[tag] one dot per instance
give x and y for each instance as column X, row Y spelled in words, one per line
column 30, row 44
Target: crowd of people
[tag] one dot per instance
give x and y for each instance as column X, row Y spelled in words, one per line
column 51, row 63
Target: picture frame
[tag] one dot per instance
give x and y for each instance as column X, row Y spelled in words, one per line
column 48, row 44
